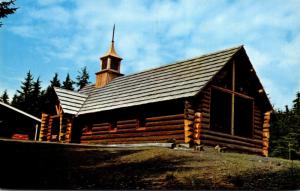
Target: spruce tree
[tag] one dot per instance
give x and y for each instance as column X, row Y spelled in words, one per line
column 55, row 81
column 36, row 98
column 49, row 98
column 22, row 100
column 68, row 83
column 82, row 78
column 4, row 97
column 6, row 9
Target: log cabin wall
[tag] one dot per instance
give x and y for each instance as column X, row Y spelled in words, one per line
column 211, row 137
column 158, row 122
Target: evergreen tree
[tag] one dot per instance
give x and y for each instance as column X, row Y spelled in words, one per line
column 23, row 99
column 285, row 132
column 49, row 98
column 15, row 101
column 68, row 83
column 55, row 81
column 82, row 78
column 296, row 104
column 4, row 97
column 36, row 98
column 6, row 9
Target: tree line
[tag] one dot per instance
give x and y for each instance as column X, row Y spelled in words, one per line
column 32, row 99
column 285, row 131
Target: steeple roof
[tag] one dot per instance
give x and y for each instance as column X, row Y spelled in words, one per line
column 111, row 51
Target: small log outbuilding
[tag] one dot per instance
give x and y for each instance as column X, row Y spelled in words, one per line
column 17, row 124
column 214, row 99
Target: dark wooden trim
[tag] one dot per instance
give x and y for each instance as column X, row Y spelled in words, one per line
column 231, row 92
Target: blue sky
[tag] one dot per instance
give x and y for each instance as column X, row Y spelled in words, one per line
column 48, row 36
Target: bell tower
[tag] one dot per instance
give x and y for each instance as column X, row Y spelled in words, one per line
column 110, row 65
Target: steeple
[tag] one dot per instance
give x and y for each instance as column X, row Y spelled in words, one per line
column 110, row 65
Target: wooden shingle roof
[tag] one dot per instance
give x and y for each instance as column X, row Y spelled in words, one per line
column 70, row 101
column 179, row 80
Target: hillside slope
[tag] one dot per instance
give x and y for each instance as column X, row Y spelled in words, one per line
column 30, row 165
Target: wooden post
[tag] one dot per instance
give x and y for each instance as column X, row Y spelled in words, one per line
column 266, row 134
column 197, row 127
column 49, row 129
column 60, row 136
column 232, row 98
column 36, row 131
column 44, row 127
column 68, row 131
column 188, row 122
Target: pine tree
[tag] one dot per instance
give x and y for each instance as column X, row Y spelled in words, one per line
column 5, row 9
column 36, row 98
column 22, row 99
column 55, row 81
column 4, row 97
column 49, row 98
column 285, row 132
column 82, row 78
column 68, row 83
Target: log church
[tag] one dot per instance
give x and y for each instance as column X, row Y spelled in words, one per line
column 213, row 99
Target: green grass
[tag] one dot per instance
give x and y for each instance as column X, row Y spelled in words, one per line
column 56, row 166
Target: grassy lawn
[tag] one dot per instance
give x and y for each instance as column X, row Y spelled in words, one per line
column 26, row 165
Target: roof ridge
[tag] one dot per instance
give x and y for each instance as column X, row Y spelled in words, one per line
column 178, row 62
column 183, row 60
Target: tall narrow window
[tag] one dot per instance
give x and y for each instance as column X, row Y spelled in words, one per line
column 220, row 111
column 243, row 117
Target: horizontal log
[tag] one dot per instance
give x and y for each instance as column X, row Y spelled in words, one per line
column 205, row 120
column 204, row 126
column 205, row 105
column 232, row 146
column 189, row 117
column 205, row 101
column 227, row 140
column 257, row 132
column 104, row 128
column 258, row 127
column 258, row 119
column 160, row 123
column 257, row 137
column 147, row 129
column 204, row 109
column 189, row 111
column 126, row 140
column 206, row 95
column 127, row 126
column 100, row 124
column 257, row 114
column 167, row 117
column 219, row 134
column 123, row 122
column 197, row 120
column 258, row 123
column 132, row 135
column 204, row 114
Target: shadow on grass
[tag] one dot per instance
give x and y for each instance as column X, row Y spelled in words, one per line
column 51, row 166
column 287, row 179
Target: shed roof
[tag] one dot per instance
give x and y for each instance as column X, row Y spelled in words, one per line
column 20, row 111
column 179, row 80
